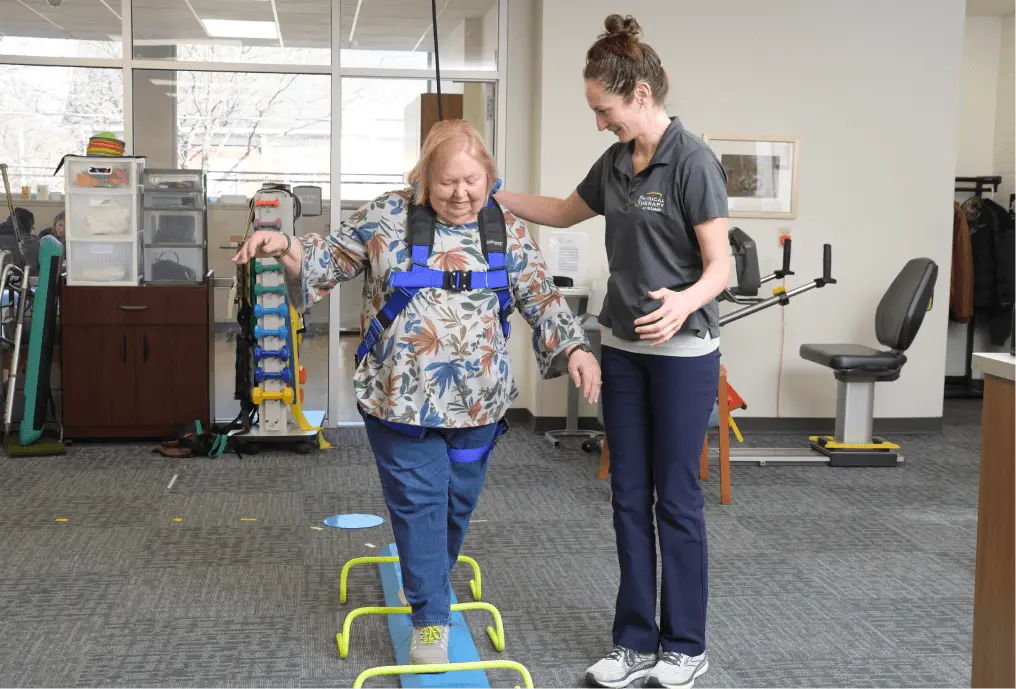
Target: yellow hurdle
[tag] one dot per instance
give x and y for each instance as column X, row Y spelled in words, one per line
column 496, row 633
column 475, row 584
column 527, row 679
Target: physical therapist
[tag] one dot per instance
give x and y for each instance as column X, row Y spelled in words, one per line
column 662, row 192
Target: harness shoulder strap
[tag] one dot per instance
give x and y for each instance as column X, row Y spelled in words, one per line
column 420, row 231
column 493, row 235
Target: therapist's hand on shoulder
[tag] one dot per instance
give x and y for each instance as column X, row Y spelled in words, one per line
column 661, row 325
column 585, row 372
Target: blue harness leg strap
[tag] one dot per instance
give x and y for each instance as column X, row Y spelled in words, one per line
column 406, row 284
column 475, row 454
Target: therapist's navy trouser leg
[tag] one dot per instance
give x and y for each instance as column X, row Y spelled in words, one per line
column 430, row 499
column 655, row 412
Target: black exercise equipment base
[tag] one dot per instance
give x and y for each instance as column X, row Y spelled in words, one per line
column 858, row 458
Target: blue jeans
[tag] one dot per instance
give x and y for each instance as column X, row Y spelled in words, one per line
column 430, row 498
column 655, row 412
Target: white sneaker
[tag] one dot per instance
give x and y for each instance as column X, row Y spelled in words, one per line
column 620, row 667
column 677, row 670
column 429, row 645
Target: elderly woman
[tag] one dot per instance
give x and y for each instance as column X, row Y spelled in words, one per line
column 443, row 268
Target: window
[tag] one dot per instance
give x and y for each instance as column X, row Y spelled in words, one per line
column 242, row 129
column 49, row 112
column 75, row 29
column 280, row 32
column 396, row 34
column 382, row 125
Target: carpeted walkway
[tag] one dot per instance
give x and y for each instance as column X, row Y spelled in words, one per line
column 819, row 576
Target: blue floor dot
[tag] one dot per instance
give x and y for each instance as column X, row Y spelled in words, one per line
column 353, row 521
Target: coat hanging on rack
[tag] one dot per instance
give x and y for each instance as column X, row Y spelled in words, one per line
column 961, row 283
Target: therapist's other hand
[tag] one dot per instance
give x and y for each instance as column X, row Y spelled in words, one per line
column 660, row 325
column 261, row 244
column 585, row 373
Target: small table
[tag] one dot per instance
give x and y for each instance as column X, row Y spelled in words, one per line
column 992, row 658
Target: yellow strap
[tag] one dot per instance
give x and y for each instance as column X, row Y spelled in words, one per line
column 296, row 407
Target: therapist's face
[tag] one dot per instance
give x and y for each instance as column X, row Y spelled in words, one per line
column 612, row 113
column 459, row 189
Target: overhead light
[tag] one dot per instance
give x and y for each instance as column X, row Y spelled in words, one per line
column 230, row 28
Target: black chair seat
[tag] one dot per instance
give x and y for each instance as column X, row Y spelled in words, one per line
column 854, row 357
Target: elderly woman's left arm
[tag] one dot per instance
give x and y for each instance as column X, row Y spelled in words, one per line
column 556, row 330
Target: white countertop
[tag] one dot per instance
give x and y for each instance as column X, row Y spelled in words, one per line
column 995, row 364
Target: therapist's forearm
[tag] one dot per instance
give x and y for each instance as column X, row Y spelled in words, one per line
column 542, row 210
column 715, row 277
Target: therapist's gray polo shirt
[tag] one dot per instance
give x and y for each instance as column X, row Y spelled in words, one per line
column 650, row 225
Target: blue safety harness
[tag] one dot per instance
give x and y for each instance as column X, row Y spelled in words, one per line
column 420, row 237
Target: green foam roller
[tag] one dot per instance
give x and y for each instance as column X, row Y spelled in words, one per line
column 41, row 341
column 273, row 289
column 261, row 267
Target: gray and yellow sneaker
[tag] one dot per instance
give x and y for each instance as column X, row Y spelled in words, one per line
column 430, row 645
column 620, row 667
column 677, row 670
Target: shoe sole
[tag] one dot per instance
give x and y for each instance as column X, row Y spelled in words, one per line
column 655, row 682
column 617, row 684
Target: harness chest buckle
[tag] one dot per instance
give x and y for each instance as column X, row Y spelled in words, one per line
column 458, row 280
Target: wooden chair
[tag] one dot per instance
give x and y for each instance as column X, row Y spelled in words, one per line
column 724, row 434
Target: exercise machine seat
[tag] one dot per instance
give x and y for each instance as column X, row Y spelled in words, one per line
column 854, row 357
column 898, row 317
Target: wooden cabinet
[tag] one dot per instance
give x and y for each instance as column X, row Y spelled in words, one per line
column 136, row 360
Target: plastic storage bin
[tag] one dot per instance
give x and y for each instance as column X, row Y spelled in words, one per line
column 177, row 264
column 173, row 180
column 100, row 263
column 101, row 216
column 175, row 199
column 101, row 173
column 174, row 227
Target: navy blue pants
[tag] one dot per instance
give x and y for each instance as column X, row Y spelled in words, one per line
column 655, row 412
column 430, row 499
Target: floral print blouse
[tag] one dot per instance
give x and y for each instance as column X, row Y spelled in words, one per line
column 443, row 362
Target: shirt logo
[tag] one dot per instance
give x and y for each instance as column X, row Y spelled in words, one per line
column 652, row 201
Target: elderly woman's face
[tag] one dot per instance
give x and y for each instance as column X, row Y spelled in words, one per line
column 459, row 189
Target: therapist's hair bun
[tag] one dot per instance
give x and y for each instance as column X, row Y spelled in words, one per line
column 616, row 24
column 620, row 61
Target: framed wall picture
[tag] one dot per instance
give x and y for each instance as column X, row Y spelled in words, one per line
column 761, row 174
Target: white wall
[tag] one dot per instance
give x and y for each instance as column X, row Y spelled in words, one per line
column 1005, row 113
column 975, row 152
column 872, row 88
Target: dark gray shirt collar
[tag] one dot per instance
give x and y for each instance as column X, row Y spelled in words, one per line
column 664, row 149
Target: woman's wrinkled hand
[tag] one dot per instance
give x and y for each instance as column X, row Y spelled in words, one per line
column 261, row 244
column 585, row 372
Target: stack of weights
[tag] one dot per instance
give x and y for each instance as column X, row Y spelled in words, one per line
column 106, row 145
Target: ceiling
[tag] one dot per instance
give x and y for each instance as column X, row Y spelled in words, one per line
column 380, row 24
column 975, row 8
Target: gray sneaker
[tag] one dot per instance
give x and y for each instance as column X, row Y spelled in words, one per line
column 430, row 645
column 620, row 667
column 677, row 670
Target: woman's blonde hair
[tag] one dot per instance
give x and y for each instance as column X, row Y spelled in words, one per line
column 445, row 139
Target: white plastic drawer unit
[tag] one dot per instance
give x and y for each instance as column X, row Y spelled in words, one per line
column 101, row 173
column 100, row 263
column 176, row 264
column 176, row 180
column 101, row 216
column 174, row 227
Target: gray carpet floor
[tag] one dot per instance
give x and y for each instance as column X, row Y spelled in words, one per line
column 819, row 576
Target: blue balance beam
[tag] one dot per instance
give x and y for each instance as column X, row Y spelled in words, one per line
column 461, row 648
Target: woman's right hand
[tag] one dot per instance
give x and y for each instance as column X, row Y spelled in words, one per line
column 261, row 244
